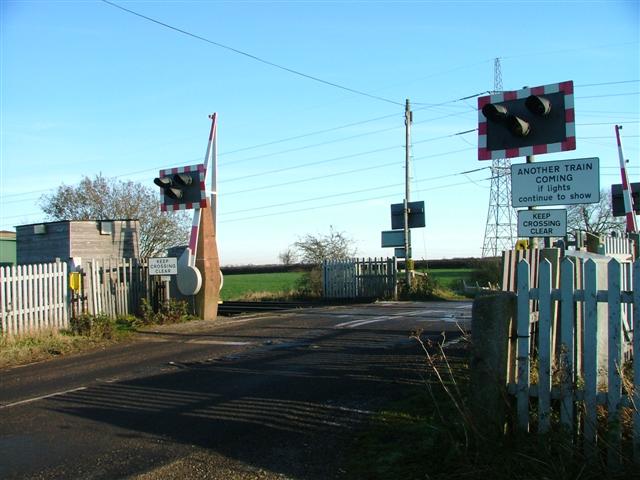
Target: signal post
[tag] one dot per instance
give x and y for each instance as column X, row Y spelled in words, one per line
column 184, row 188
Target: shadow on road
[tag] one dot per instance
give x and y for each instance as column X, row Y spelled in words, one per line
column 288, row 408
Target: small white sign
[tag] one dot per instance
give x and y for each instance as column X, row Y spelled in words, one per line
column 542, row 223
column 564, row 182
column 163, row 266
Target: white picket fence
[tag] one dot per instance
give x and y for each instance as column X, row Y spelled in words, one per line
column 33, row 298
column 36, row 297
column 360, row 278
column 576, row 367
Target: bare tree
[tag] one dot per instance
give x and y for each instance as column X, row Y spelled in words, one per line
column 332, row 246
column 104, row 199
column 288, row 256
column 594, row 218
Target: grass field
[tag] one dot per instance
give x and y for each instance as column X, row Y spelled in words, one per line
column 256, row 286
column 251, row 286
column 451, row 277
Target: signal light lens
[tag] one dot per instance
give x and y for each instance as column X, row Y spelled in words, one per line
column 494, row 112
column 174, row 193
column 538, row 105
column 518, row 126
column 163, row 182
column 183, row 179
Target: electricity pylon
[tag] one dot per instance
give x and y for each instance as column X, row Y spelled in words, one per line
column 499, row 233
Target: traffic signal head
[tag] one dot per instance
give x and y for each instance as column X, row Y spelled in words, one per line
column 617, row 199
column 182, row 188
column 524, row 122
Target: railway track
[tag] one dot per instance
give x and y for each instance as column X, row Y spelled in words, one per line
column 236, row 308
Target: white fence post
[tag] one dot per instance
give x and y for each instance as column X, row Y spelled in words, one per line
column 614, row 383
column 568, row 320
column 544, row 346
column 590, row 362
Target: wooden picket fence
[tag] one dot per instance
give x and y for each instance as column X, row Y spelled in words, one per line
column 577, row 377
column 37, row 297
column 114, row 287
column 33, row 297
column 360, row 278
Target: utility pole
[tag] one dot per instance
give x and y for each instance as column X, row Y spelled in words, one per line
column 408, row 263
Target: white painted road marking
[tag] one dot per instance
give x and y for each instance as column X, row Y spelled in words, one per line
column 447, row 316
column 42, row 397
column 217, row 342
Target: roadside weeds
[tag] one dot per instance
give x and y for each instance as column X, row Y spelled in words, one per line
column 431, row 434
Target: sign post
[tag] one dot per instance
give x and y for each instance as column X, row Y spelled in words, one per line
column 162, row 268
column 185, row 188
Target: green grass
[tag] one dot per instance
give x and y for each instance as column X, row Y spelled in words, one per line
column 257, row 285
column 450, row 277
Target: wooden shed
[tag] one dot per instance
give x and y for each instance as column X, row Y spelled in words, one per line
column 76, row 239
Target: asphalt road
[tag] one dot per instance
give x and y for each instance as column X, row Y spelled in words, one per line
column 271, row 396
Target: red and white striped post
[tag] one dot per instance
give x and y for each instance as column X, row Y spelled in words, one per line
column 632, row 226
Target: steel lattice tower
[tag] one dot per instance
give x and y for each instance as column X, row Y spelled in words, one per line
column 500, row 227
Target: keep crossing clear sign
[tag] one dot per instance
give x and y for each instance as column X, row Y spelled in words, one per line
column 563, row 182
column 163, row 266
column 542, row 223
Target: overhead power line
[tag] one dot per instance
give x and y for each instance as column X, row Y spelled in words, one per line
column 350, row 202
column 353, row 192
column 251, row 56
column 334, row 159
column 337, row 174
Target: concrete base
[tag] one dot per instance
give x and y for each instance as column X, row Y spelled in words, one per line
column 491, row 318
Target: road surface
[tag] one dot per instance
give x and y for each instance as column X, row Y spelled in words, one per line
column 270, row 396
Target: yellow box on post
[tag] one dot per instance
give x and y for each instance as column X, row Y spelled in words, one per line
column 75, row 281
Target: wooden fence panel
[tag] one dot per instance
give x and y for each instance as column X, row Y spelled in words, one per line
column 116, row 286
column 33, row 298
column 37, row 297
column 574, row 362
column 359, row 278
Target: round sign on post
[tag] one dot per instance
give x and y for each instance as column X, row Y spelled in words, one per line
column 189, row 279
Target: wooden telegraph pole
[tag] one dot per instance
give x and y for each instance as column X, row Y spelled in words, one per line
column 407, row 193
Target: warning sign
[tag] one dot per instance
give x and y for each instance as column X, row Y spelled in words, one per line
column 163, row 266
column 564, row 182
column 542, row 223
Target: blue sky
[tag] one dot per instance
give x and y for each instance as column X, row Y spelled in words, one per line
column 87, row 88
